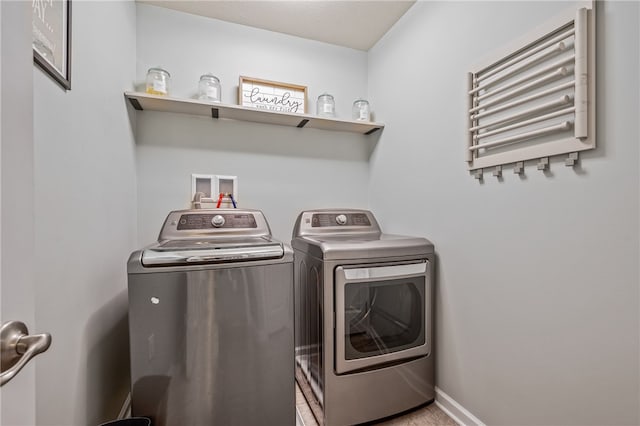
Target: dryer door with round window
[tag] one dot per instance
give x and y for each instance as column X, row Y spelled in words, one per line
column 381, row 314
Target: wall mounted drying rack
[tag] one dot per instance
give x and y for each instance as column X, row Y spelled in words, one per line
column 144, row 101
column 536, row 98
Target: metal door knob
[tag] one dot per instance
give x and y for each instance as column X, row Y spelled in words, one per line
column 18, row 347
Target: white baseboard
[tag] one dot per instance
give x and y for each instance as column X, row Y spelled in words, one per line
column 453, row 409
column 299, row 421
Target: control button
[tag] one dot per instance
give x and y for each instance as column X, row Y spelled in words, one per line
column 217, row 221
column 341, row 219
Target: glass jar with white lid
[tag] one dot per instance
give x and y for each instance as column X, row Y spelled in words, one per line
column 326, row 106
column 360, row 110
column 157, row 81
column 209, row 88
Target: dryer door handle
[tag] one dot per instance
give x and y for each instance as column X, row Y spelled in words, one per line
column 385, row 272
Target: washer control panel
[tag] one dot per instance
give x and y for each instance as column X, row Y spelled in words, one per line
column 323, row 220
column 195, row 221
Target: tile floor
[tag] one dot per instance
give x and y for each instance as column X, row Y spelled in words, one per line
column 429, row 415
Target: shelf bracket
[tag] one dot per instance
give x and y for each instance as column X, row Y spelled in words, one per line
column 543, row 164
column 497, row 172
column 518, row 168
column 135, row 103
column 571, row 159
column 215, row 112
column 302, row 123
column 477, row 174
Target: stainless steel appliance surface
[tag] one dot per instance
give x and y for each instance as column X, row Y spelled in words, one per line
column 363, row 316
column 211, row 322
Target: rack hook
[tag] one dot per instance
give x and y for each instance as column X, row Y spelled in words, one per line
column 571, row 159
column 543, row 163
column 518, row 168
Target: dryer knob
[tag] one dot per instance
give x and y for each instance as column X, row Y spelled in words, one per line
column 217, row 221
column 341, row 219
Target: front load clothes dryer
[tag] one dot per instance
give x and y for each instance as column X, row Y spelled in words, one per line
column 211, row 322
column 364, row 317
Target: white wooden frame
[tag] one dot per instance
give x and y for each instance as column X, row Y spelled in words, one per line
column 581, row 104
column 272, row 95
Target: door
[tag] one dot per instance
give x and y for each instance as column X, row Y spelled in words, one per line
column 381, row 314
column 17, row 397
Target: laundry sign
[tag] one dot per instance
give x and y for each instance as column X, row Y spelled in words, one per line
column 272, row 95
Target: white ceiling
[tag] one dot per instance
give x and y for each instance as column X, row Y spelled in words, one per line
column 358, row 24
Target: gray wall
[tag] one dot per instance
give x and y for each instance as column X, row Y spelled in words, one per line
column 280, row 170
column 538, row 278
column 85, row 219
column 537, row 301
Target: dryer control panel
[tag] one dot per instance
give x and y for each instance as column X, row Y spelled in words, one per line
column 320, row 220
column 332, row 221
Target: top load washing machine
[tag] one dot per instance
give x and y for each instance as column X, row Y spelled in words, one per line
column 211, row 322
column 364, row 317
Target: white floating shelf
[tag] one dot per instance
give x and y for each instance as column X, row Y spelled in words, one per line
column 144, row 101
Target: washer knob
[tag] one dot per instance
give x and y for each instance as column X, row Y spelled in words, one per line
column 217, row 221
column 341, row 219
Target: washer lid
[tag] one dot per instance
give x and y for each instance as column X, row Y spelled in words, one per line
column 210, row 251
column 201, row 236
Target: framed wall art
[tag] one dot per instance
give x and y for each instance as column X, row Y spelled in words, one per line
column 272, row 95
column 52, row 39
